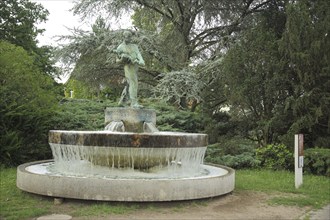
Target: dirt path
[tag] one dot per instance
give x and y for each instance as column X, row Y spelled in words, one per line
column 238, row 205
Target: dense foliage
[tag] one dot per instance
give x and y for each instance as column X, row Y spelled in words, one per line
column 317, row 161
column 305, row 45
column 171, row 119
column 234, row 152
column 275, row 157
column 26, row 106
column 80, row 114
column 28, row 92
column 276, row 74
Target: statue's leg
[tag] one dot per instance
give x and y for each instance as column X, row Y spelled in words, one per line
column 131, row 75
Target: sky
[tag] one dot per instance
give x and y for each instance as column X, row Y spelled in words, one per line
column 60, row 18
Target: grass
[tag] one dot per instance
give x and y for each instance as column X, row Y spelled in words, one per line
column 15, row 204
column 103, row 209
column 314, row 192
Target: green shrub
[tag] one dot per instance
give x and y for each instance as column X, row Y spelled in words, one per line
column 238, row 145
column 235, row 152
column 276, row 157
column 245, row 160
column 10, row 143
column 84, row 114
column 169, row 118
column 27, row 139
column 317, row 161
column 219, row 125
column 81, row 114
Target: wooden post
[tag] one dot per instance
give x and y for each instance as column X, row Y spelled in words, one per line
column 298, row 159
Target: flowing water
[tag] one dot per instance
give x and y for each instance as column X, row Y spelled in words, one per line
column 115, row 126
column 149, row 127
column 118, row 126
column 81, row 160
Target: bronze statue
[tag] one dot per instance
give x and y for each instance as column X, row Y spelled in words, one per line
column 128, row 53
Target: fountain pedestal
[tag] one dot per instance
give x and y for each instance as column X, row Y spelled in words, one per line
column 130, row 120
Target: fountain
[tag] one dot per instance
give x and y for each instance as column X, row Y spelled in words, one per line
column 132, row 161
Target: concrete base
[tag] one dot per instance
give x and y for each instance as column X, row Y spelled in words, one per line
column 221, row 180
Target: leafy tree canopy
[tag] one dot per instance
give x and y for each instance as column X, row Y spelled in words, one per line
column 172, row 34
column 306, row 49
column 276, row 76
column 192, row 27
column 18, row 19
column 254, row 85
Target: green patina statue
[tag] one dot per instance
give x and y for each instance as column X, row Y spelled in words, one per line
column 129, row 54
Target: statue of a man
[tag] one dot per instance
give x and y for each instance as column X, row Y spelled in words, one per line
column 129, row 54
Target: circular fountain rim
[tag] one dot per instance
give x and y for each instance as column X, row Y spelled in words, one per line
column 213, row 172
column 158, row 133
column 124, row 189
column 128, row 139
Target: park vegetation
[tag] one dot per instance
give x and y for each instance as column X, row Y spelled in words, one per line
column 249, row 73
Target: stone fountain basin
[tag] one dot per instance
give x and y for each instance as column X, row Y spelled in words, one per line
column 34, row 178
column 128, row 139
column 128, row 149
